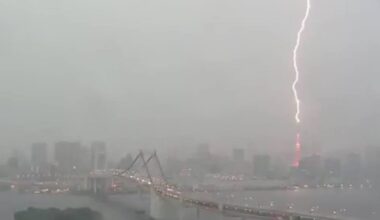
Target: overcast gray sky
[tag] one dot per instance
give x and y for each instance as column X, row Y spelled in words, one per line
column 177, row 70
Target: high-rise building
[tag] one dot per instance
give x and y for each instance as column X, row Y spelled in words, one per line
column 372, row 159
column 332, row 167
column 13, row 162
column 238, row 155
column 69, row 156
column 98, row 155
column 353, row 168
column 203, row 151
column 261, row 165
column 16, row 160
column 38, row 156
column 311, row 165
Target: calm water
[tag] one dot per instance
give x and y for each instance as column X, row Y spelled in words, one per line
column 350, row 204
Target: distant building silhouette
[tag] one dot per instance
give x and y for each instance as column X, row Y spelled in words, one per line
column 261, row 165
column 372, row 159
column 332, row 167
column 38, row 156
column 311, row 165
column 238, row 155
column 98, row 155
column 13, row 162
column 353, row 168
column 203, row 151
column 69, row 156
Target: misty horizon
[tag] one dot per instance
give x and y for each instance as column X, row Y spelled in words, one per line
column 179, row 73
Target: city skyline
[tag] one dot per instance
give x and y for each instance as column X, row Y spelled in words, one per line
column 190, row 109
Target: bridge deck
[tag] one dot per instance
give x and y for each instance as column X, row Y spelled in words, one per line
column 167, row 191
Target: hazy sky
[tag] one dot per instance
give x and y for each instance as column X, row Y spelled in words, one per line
column 218, row 71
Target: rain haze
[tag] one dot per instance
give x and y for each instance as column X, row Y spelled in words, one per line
column 184, row 109
column 208, row 71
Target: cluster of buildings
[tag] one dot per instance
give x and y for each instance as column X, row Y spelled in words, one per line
column 350, row 169
column 66, row 158
column 73, row 158
column 313, row 170
column 203, row 163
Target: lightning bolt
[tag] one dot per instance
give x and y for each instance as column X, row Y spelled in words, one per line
column 297, row 157
column 295, row 64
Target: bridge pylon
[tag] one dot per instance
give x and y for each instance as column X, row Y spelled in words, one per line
column 141, row 156
column 163, row 208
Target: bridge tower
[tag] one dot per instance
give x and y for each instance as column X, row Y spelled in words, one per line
column 164, row 209
column 98, row 184
column 160, row 208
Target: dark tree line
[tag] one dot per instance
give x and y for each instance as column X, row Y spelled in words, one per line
column 57, row 214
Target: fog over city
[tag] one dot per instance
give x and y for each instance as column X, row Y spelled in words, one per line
column 189, row 109
column 165, row 74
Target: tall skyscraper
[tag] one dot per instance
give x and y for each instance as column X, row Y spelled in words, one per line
column 98, row 156
column 332, row 167
column 203, row 151
column 38, row 156
column 372, row 159
column 69, row 156
column 311, row 165
column 261, row 165
column 353, row 168
column 238, row 155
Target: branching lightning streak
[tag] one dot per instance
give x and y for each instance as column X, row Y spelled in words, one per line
column 295, row 64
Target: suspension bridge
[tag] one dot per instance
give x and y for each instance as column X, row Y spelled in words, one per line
column 167, row 200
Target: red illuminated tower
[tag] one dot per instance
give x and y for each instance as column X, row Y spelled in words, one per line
column 297, row 155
